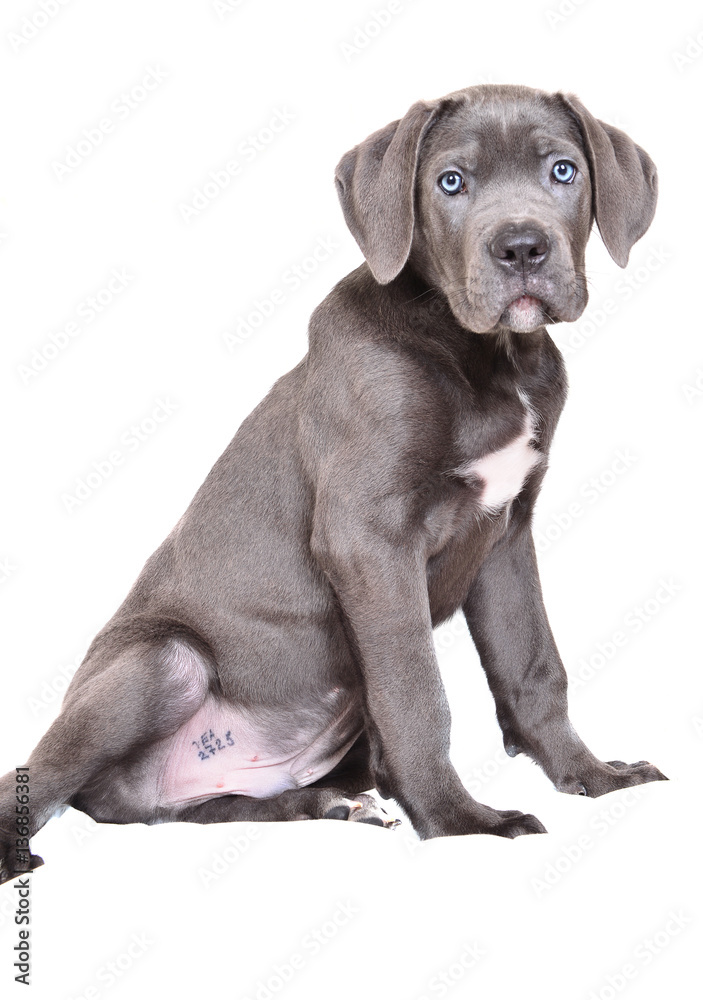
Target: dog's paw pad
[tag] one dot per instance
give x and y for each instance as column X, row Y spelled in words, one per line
column 337, row 812
column 360, row 809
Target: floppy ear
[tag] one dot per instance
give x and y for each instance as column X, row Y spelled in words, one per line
column 376, row 186
column 624, row 181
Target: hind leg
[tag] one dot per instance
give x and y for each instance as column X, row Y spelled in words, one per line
column 298, row 803
column 337, row 795
column 118, row 703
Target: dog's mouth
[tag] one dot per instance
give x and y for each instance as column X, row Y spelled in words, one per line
column 527, row 308
column 524, row 314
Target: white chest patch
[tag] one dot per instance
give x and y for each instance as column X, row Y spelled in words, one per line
column 503, row 472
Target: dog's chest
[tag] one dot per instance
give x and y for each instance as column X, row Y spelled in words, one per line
column 499, row 475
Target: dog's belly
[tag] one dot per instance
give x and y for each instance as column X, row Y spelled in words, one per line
column 225, row 750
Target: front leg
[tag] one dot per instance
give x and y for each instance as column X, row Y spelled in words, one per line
column 382, row 591
column 506, row 617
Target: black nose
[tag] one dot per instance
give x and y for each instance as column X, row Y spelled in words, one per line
column 521, row 249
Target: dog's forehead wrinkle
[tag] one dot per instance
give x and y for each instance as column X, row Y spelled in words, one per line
column 517, row 195
column 495, row 145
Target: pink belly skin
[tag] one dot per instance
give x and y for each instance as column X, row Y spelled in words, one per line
column 224, row 750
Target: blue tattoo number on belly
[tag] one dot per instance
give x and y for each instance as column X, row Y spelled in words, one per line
column 209, row 744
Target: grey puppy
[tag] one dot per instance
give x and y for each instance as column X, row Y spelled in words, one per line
column 275, row 657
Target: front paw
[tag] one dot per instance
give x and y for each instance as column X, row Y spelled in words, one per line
column 513, row 824
column 7, row 874
column 608, row 777
column 479, row 818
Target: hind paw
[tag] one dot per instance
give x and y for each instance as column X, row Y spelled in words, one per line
column 359, row 809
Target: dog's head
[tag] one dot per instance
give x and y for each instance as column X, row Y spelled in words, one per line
column 490, row 194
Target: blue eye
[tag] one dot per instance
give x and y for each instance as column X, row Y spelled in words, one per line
column 452, row 182
column 563, row 171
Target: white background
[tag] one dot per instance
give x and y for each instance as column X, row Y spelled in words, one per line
column 368, row 912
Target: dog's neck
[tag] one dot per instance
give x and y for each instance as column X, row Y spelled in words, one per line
column 430, row 317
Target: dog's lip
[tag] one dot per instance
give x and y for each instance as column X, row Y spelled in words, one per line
column 524, row 314
column 526, row 301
